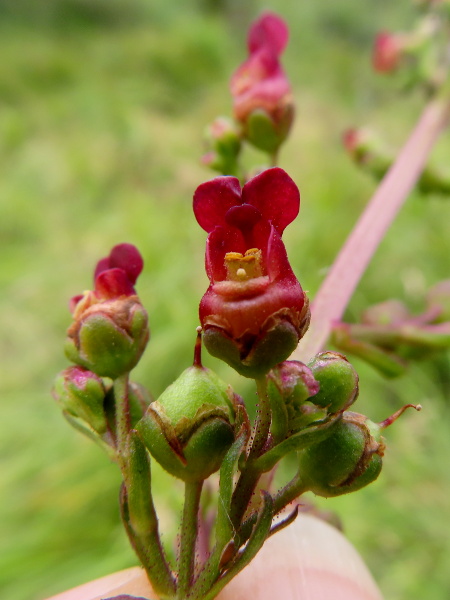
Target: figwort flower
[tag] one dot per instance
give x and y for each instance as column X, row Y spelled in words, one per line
column 110, row 329
column 254, row 311
column 262, row 95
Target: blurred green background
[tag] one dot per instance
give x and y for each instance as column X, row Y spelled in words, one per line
column 102, row 108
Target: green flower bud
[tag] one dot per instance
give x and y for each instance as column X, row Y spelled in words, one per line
column 289, row 386
column 346, row 461
column 338, row 381
column 81, row 394
column 267, row 132
column 109, row 337
column 189, row 429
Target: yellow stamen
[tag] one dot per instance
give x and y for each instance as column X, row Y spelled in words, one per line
column 242, row 267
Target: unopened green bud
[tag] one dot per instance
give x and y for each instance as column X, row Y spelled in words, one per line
column 346, row 461
column 338, row 381
column 189, row 429
column 109, row 338
column 81, row 393
column 289, row 386
column 267, row 132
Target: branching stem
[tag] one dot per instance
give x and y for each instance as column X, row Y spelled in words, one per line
column 350, row 264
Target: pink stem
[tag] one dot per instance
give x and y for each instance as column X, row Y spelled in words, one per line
column 338, row 287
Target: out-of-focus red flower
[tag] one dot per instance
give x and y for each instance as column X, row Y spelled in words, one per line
column 387, row 52
column 114, row 276
column 110, row 330
column 260, row 83
column 253, row 289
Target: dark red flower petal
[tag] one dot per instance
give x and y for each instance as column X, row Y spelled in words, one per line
column 277, row 263
column 268, row 31
column 275, row 194
column 113, row 283
column 219, row 242
column 128, row 258
column 243, row 217
column 123, row 256
column 102, row 265
column 213, row 199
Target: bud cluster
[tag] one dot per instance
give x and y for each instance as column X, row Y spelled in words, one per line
column 263, row 107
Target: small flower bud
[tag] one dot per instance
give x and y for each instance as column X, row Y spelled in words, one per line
column 82, row 393
column 262, row 95
column 110, row 328
column 224, row 144
column 346, row 461
column 289, row 386
column 189, row 428
column 338, row 381
column 109, row 337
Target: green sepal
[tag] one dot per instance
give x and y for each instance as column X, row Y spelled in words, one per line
column 105, row 348
column 195, row 415
column 272, row 347
column 194, row 448
column 262, row 131
column 312, row 434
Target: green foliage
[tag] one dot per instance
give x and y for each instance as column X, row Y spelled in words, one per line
column 100, row 126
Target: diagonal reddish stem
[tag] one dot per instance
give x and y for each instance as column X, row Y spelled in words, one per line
column 356, row 253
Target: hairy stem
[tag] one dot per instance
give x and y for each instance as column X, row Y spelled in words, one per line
column 249, row 477
column 350, row 264
column 123, row 424
column 188, row 538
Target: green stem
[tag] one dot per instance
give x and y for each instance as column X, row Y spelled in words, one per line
column 149, row 551
column 249, row 477
column 263, row 420
column 292, row 490
column 123, row 423
column 188, row 538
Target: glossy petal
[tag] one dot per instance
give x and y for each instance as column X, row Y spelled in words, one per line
column 128, row 258
column 268, row 31
column 219, row 242
column 275, row 194
column 213, row 199
column 113, row 283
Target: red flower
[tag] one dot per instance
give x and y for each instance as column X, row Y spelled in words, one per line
column 260, row 84
column 253, row 289
column 387, row 52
